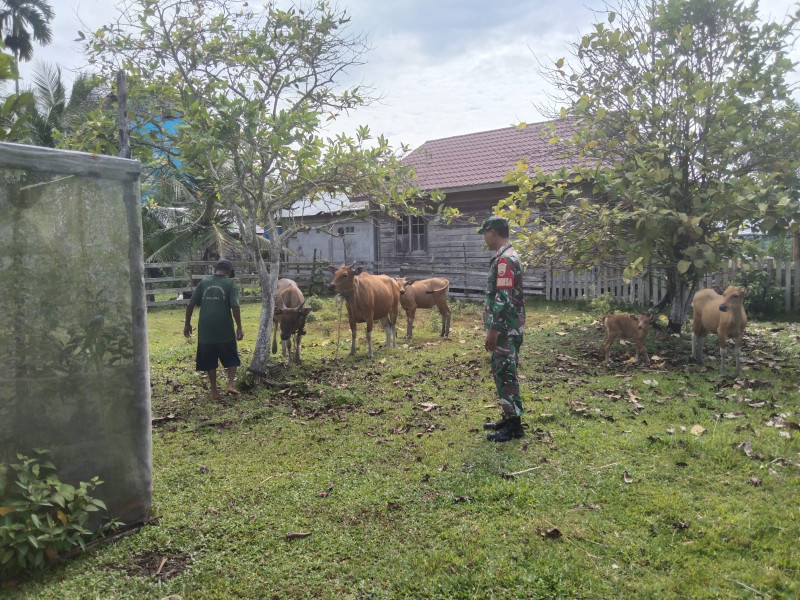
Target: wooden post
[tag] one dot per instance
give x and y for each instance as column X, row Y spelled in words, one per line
column 122, row 116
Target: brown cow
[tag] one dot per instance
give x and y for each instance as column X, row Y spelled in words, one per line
column 425, row 293
column 290, row 316
column 628, row 327
column 723, row 315
column 368, row 298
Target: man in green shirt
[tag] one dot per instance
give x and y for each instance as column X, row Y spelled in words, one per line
column 218, row 299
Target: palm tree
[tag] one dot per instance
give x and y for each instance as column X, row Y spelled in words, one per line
column 23, row 22
column 52, row 111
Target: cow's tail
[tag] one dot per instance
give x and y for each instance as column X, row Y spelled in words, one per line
column 441, row 289
column 274, row 338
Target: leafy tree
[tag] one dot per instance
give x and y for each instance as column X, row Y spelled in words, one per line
column 684, row 131
column 23, row 22
column 13, row 108
column 53, row 114
column 252, row 87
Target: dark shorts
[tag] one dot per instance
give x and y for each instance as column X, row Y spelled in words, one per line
column 209, row 354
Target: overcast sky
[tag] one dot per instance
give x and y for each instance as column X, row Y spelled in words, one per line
column 443, row 67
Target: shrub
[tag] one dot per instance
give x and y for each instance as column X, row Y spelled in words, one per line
column 602, row 305
column 42, row 517
column 765, row 299
column 313, row 302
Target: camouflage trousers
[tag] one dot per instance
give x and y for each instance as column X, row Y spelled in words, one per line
column 504, row 369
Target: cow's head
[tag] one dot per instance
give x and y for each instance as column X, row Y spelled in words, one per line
column 293, row 320
column 403, row 283
column 343, row 278
column 733, row 297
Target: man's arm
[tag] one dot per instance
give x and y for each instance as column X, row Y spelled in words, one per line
column 237, row 316
column 187, row 328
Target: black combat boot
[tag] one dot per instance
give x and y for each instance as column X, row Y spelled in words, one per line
column 489, row 426
column 511, row 430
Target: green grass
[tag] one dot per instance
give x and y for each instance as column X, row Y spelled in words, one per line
column 416, row 506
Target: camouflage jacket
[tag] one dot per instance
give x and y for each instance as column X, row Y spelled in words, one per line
column 504, row 305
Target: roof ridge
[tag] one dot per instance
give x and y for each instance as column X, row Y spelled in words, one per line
column 485, row 131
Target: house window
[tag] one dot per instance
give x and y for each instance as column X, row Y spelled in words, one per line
column 411, row 235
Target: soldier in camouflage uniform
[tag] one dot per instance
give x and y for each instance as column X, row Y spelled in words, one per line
column 504, row 322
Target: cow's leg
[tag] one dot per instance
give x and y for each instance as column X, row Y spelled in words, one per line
column 389, row 329
column 287, row 347
column 297, row 348
column 353, row 327
column 607, row 349
column 738, row 354
column 369, row 338
column 410, row 317
column 642, row 349
column 445, row 321
column 697, row 348
column 723, row 355
column 274, row 337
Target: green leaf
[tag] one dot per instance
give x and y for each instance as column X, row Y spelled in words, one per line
column 683, row 266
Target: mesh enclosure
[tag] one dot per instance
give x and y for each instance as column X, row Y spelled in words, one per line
column 73, row 341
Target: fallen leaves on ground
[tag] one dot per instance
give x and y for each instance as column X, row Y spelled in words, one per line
column 550, row 533
column 697, row 430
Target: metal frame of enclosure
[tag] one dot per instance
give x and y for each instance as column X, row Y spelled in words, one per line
column 76, row 376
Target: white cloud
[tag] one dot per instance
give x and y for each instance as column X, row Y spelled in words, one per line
column 443, row 67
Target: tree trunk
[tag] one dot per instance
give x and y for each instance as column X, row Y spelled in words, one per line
column 681, row 292
column 268, row 281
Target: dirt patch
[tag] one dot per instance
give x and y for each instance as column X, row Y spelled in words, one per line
column 159, row 565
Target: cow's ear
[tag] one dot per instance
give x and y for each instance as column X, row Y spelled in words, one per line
column 331, row 268
column 305, row 311
column 278, row 312
column 746, row 292
column 410, row 281
column 359, row 270
column 634, row 317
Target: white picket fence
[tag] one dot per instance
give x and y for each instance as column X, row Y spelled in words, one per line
column 568, row 285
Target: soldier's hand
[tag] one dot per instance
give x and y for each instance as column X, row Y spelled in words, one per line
column 187, row 330
column 239, row 334
column 491, row 340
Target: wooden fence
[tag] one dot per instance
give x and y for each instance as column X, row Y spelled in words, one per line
column 567, row 285
column 172, row 283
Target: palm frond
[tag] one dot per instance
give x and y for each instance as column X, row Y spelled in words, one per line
column 49, row 88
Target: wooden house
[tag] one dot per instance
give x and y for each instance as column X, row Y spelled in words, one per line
column 469, row 169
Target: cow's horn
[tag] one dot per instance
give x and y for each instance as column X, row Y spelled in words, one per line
column 353, row 264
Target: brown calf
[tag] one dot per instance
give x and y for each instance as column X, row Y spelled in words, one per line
column 628, row 327
column 368, row 298
column 290, row 317
column 721, row 314
column 425, row 293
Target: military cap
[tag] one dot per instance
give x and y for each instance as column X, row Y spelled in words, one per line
column 493, row 222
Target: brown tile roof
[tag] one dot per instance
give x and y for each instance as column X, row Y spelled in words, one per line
column 484, row 158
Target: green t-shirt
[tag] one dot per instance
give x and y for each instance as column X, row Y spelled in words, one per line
column 215, row 295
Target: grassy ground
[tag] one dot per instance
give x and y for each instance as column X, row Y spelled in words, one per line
column 386, row 466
